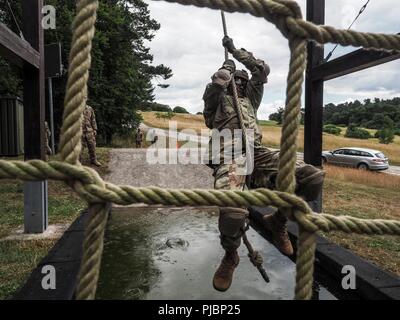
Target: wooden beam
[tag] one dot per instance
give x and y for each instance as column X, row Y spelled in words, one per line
column 34, row 86
column 17, row 50
column 352, row 62
column 314, row 98
column 314, row 91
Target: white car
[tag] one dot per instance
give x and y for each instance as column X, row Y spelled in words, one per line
column 361, row 158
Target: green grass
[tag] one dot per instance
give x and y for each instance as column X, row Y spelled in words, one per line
column 267, row 123
column 18, row 258
column 368, row 202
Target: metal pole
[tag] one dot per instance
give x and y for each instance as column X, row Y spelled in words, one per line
column 50, row 84
column 225, row 32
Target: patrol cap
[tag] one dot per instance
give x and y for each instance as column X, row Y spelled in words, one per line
column 241, row 74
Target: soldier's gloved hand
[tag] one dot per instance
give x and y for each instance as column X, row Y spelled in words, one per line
column 222, row 77
column 228, row 44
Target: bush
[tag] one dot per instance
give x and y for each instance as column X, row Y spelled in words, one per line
column 385, row 135
column 397, row 132
column 180, row 110
column 165, row 115
column 154, row 106
column 332, row 129
column 357, row 133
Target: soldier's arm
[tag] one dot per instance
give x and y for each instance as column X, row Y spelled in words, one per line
column 214, row 94
column 93, row 121
column 259, row 75
column 258, row 68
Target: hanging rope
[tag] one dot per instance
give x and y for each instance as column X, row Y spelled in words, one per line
column 286, row 15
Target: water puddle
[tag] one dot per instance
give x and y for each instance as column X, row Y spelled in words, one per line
column 159, row 253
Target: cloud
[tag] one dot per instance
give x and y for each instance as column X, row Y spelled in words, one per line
column 189, row 42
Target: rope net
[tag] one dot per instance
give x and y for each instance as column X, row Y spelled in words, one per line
column 287, row 17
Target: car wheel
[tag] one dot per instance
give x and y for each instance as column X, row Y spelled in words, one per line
column 363, row 166
column 324, row 161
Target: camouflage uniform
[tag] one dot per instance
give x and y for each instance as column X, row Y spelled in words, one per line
column 219, row 113
column 89, row 131
column 47, row 139
column 139, row 138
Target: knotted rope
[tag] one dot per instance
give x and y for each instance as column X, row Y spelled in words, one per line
column 287, row 17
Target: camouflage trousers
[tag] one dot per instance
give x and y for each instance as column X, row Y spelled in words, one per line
column 232, row 176
column 89, row 142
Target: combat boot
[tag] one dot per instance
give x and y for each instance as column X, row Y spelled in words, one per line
column 96, row 163
column 276, row 224
column 223, row 276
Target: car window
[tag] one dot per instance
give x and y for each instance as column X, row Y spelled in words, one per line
column 366, row 154
column 339, row 152
column 380, row 155
column 354, row 153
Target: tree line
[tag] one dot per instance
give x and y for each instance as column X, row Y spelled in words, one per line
column 122, row 65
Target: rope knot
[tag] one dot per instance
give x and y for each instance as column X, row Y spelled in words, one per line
column 284, row 12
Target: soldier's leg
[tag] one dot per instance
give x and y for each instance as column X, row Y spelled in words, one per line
column 91, row 144
column 84, row 145
column 231, row 224
column 309, row 182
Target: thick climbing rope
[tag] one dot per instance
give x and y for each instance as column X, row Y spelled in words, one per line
column 286, row 15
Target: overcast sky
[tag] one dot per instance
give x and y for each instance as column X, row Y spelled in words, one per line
column 189, row 42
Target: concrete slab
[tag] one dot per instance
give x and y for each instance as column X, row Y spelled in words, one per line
column 54, row 231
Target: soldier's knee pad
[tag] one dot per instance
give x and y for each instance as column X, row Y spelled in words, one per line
column 309, row 182
column 232, row 221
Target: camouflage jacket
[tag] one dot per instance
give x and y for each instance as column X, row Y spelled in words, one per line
column 219, row 111
column 89, row 120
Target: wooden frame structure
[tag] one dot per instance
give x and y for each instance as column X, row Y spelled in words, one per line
column 319, row 71
column 28, row 54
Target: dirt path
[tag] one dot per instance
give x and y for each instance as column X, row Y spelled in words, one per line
column 131, row 167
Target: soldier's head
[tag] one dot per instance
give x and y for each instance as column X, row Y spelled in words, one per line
column 241, row 79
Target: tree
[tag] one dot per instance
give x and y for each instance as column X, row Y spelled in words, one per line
column 278, row 116
column 179, row 109
column 376, row 114
column 385, row 135
column 121, row 69
column 357, row 133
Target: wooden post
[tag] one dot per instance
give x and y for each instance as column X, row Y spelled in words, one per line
column 35, row 193
column 34, row 94
column 314, row 96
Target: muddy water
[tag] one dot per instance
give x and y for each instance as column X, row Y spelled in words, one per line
column 154, row 253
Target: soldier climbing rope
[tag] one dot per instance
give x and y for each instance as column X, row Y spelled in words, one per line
column 286, row 15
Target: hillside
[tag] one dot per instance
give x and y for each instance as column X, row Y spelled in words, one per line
column 272, row 134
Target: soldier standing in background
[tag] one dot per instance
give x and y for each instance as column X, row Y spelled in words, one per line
column 89, row 133
column 139, row 138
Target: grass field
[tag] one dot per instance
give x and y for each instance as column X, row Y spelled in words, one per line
column 364, row 194
column 18, row 258
column 272, row 135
